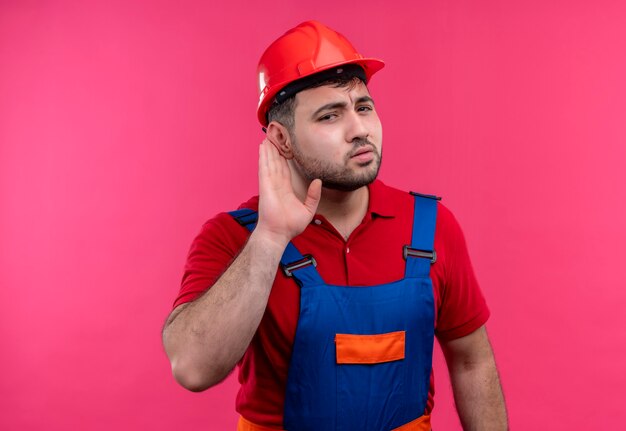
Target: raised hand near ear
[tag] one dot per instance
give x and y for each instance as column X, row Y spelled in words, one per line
column 282, row 215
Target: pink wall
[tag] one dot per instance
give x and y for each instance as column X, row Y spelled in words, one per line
column 119, row 127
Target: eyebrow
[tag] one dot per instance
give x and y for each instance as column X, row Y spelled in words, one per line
column 341, row 105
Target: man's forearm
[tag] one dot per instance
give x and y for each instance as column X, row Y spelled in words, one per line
column 205, row 339
column 475, row 383
column 479, row 399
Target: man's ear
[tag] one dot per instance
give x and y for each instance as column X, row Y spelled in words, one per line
column 279, row 136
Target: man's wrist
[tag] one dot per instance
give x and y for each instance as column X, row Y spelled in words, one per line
column 273, row 242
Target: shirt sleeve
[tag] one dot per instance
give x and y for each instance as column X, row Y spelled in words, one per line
column 462, row 307
column 210, row 254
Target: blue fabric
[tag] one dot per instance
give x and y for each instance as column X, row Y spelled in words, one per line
column 246, row 217
column 324, row 395
column 423, row 236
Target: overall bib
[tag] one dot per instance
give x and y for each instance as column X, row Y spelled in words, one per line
column 362, row 355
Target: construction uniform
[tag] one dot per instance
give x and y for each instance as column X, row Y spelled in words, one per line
column 347, row 343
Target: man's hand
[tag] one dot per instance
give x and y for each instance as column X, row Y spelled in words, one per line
column 282, row 215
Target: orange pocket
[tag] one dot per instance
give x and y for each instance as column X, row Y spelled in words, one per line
column 369, row 349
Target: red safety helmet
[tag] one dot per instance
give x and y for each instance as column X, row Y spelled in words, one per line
column 305, row 50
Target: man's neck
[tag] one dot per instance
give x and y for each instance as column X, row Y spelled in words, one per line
column 337, row 203
column 344, row 210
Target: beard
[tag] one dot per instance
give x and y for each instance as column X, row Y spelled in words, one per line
column 339, row 176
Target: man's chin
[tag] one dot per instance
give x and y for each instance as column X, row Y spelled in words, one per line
column 348, row 185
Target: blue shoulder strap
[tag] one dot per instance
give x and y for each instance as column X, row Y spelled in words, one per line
column 293, row 263
column 421, row 253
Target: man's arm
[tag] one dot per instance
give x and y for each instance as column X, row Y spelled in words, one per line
column 204, row 339
column 475, row 383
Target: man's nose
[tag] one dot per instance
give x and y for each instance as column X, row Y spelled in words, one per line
column 357, row 127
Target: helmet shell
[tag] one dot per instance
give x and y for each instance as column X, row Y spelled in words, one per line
column 309, row 48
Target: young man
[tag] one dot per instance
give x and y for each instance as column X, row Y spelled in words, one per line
column 328, row 288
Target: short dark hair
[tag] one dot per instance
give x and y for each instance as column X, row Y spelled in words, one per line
column 284, row 112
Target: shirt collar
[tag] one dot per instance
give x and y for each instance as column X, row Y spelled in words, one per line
column 380, row 202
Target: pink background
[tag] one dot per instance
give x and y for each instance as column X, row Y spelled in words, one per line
column 124, row 127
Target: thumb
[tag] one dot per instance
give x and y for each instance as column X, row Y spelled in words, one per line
column 313, row 195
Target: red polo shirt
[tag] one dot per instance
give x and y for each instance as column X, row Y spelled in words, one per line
column 372, row 255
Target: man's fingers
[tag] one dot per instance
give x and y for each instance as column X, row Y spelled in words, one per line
column 262, row 158
column 313, row 195
column 271, row 141
column 276, row 163
column 267, row 156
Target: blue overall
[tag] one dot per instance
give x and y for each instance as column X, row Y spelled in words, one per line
column 323, row 394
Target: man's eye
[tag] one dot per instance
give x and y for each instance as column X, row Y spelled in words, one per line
column 364, row 108
column 326, row 117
